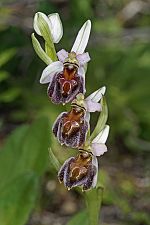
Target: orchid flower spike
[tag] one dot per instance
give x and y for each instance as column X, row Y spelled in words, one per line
column 81, row 170
column 65, row 74
column 66, row 77
column 53, row 23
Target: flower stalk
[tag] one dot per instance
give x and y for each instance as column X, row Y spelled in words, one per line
column 93, row 199
column 65, row 75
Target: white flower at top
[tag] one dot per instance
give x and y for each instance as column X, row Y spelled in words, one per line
column 54, row 24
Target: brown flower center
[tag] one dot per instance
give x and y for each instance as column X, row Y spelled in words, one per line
column 72, row 121
column 79, row 168
column 68, row 79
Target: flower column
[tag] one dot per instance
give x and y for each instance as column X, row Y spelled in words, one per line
column 65, row 74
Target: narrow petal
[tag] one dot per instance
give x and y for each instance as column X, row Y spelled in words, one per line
column 102, row 136
column 35, row 22
column 95, row 164
column 92, row 106
column 82, row 38
column 62, row 55
column 50, row 71
column 97, row 95
column 57, row 28
column 98, row 149
column 83, row 58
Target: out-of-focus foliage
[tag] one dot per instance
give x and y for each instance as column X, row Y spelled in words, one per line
column 23, row 160
column 119, row 47
column 14, row 208
column 80, row 217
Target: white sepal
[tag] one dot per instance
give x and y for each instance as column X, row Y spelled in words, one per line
column 98, row 149
column 97, row 95
column 102, row 136
column 50, row 71
column 82, row 38
column 92, row 106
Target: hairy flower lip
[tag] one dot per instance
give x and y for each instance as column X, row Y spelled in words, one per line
column 66, row 130
column 79, row 171
column 55, row 92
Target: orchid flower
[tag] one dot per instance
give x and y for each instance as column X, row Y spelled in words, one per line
column 79, row 171
column 82, row 170
column 66, row 77
column 71, row 127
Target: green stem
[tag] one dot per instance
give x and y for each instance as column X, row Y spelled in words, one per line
column 93, row 200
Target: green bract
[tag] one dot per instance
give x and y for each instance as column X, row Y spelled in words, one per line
column 39, row 51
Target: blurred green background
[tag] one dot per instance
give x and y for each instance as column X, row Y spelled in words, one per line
column 119, row 47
